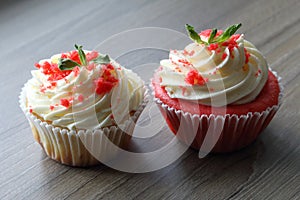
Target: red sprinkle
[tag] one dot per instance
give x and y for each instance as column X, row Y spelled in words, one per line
column 65, row 102
column 194, row 78
column 37, row 65
column 76, row 71
column 91, row 66
column 53, row 71
column 42, row 88
column 185, row 62
column 213, row 46
column 178, row 69
column 80, row 98
column 73, row 55
column 51, row 107
column 107, row 81
column 224, row 56
column 91, row 55
column 247, row 55
column 192, row 53
column 185, row 52
column 30, row 110
column 258, row 73
column 207, row 32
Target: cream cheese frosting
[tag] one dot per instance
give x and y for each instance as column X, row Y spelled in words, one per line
column 74, row 101
column 234, row 69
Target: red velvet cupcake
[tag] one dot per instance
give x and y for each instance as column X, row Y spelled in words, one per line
column 217, row 94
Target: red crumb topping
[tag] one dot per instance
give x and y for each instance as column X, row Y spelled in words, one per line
column 106, row 81
column 224, row 56
column 73, row 55
column 52, row 70
column 80, row 98
column 42, row 88
column 231, row 42
column 258, row 73
column 194, row 78
column 76, row 71
column 51, row 107
column 91, row 66
column 213, row 47
column 65, row 102
column 54, row 73
column 247, row 55
column 185, row 52
column 192, row 53
column 178, row 69
column 206, row 33
column 184, row 62
column 91, row 55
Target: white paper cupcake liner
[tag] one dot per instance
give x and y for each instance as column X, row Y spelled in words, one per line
column 199, row 131
column 81, row 148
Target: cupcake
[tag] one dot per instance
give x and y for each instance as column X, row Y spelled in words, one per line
column 218, row 93
column 81, row 105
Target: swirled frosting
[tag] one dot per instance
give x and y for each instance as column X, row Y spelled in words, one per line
column 233, row 72
column 86, row 97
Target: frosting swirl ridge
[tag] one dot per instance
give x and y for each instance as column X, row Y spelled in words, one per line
column 206, row 73
column 74, row 98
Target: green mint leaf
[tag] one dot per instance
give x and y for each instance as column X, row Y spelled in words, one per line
column 102, row 59
column 227, row 33
column 67, row 64
column 82, row 56
column 212, row 35
column 194, row 35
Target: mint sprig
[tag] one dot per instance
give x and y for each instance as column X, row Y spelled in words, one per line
column 227, row 33
column 67, row 64
column 194, row 35
column 102, row 59
column 222, row 38
column 212, row 35
column 81, row 54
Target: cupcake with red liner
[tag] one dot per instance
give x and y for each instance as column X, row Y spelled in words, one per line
column 218, row 94
column 81, row 105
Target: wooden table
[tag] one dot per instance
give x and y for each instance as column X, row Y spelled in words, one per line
column 34, row 29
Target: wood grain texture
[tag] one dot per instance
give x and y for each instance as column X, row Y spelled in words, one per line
column 34, row 29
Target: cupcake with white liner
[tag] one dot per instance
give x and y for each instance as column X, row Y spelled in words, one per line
column 218, row 94
column 77, row 100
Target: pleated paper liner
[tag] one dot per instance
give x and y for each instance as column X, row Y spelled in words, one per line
column 237, row 131
column 81, row 148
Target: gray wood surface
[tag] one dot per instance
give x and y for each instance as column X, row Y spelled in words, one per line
column 33, row 29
